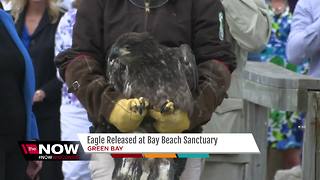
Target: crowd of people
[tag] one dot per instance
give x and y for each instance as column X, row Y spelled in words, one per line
column 47, row 47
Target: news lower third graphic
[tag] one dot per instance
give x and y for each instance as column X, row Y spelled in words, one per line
column 184, row 143
column 133, row 145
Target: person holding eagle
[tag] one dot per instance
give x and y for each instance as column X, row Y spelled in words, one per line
column 188, row 32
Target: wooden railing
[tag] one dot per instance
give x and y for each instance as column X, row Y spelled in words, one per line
column 268, row 86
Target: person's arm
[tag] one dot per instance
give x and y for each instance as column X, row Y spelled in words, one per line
column 63, row 37
column 214, row 56
column 208, row 42
column 50, row 90
column 83, row 69
column 249, row 22
column 304, row 38
column 81, row 66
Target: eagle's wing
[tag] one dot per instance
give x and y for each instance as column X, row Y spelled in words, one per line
column 189, row 66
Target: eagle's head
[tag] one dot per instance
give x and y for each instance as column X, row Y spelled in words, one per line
column 134, row 48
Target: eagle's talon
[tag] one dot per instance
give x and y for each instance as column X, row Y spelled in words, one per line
column 167, row 107
column 141, row 108
column 139, row 105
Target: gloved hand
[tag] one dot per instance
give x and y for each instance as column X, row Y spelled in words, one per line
column 170, row 122
column 127, row 114
column 214, row 80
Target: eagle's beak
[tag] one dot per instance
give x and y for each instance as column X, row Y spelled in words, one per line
column 123, row 51
column 119, row 53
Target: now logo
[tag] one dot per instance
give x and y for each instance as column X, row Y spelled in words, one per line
column 58, row 149
column 52, row 150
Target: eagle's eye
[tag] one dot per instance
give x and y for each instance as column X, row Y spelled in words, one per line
column 127, row 47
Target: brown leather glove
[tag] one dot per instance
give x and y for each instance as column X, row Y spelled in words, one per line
column 85, row 77
column 214, row 81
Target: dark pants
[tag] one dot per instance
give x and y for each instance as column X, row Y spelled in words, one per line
column 49, row 130
column 12, row 163
column 51, row 170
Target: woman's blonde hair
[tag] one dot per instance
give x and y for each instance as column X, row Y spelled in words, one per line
column 18, row 6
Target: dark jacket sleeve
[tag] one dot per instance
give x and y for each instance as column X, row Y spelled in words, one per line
column 214, row 81
column 51, row 88
column 209, row 34
column 88, row 29
column 81, row 66
column 214, row 56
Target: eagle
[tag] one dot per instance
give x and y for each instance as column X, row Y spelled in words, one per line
column 166, row 77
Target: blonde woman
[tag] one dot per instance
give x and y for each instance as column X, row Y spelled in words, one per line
column 17, row 120
column 36, row 23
